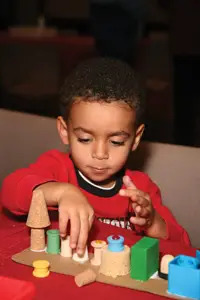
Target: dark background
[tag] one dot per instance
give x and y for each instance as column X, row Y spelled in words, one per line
column 160, row 39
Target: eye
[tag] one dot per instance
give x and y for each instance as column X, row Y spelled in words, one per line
column 85, row 141
column 118, row 143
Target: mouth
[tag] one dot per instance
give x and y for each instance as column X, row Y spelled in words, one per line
column 99, row 170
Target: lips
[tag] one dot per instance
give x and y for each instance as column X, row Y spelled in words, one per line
column 98, row 170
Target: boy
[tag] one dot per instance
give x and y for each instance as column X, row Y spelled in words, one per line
column 101, row 123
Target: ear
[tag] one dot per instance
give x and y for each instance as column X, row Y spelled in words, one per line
column 62, row 130
column 138, row 135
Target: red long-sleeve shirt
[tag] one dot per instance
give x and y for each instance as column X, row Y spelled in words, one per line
column 53, row 165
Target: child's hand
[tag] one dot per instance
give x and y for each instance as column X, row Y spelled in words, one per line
column 141, row 204
column 145, row 214
column 72, row 206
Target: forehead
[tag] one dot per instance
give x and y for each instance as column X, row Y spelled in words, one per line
column 102, row 114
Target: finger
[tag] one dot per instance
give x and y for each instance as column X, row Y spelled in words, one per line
column 134, row 205
column 142, row 211
column 138, row 221
column 134, row 193
column 128, row 182
column 63, row 221
column 83, row 236
column 138, row 209
column 91, row 220
column 136, row 197
column 74, row 230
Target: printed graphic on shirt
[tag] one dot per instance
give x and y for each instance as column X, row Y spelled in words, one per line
column 118, row 222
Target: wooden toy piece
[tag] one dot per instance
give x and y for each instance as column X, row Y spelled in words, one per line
column 115, row 258
column 38, row 219
column 144, row 258
column 164, row 265
column 81, row 258
column 98, row 246
column 53, row 241
column 86, row 277
column 37, row 240
column 66, row 250
column 41, row 268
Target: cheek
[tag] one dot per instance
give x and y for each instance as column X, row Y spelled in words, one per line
column 78, row 152
column 79, row 159
column 119, row 156
column 76, row 146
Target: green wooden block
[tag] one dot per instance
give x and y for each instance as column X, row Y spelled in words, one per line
column 144, row 258
column 53, row 241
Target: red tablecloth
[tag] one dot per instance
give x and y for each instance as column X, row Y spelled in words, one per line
column 14, row 237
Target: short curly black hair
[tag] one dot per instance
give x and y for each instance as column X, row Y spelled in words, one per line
column 102, row 80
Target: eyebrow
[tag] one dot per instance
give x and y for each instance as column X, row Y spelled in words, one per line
column 117, row 133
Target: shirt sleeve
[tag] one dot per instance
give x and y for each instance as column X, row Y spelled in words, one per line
column 16, row 192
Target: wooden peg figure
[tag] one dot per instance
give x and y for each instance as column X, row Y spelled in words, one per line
column 38, row 219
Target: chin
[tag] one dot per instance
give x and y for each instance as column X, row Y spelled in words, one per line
column 101, row 180
column 98, row 178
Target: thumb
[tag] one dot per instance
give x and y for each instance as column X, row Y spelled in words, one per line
column 128, row 182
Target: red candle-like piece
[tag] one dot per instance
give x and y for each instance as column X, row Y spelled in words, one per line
column 115, row 237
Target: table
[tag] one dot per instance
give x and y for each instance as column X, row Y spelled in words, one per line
column 14, row 237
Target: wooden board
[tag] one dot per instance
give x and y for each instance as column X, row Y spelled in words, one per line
column 68, row 266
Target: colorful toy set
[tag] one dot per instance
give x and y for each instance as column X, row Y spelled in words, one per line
column 112, row 262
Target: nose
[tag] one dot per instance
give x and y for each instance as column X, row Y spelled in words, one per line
column 100, row 151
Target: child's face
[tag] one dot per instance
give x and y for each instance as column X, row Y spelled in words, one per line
column 101, row 136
